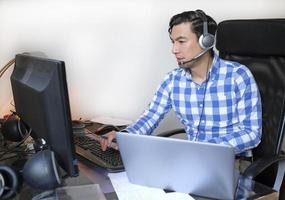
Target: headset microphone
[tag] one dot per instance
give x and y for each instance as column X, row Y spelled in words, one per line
column 195, row 58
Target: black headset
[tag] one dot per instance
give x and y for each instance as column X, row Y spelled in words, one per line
column 41, row 171
column 206, row 40
column 13, row 129
column 9, row 182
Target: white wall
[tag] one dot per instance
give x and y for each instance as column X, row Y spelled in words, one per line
column 116, row 52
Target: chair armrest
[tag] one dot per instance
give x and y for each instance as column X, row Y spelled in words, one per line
column 171, row 132
column 260, row 165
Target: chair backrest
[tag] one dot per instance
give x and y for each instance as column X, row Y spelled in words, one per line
column 260, row 45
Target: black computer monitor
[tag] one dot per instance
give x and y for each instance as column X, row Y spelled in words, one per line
column 41, row 99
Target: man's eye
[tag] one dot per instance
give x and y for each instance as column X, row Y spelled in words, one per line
column 181, row 41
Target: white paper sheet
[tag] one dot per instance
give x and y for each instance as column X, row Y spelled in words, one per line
column 128, row 191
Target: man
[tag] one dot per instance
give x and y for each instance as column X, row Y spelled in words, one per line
column 216, row 100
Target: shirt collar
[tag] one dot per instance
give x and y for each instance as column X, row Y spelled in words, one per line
column 213, row 72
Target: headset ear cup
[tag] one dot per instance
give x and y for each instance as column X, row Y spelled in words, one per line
column 206, row 41
column 10, row 180
column 2, row 185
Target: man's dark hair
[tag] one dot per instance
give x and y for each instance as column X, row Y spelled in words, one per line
column 196, row 18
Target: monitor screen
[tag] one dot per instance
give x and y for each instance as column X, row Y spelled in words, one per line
column 41, row 99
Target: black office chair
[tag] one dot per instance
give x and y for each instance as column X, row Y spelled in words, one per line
column 260, row 45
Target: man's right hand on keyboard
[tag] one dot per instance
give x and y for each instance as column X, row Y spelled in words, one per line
column 106, row 140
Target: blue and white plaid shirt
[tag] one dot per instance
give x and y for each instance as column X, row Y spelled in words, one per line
column 226, row 108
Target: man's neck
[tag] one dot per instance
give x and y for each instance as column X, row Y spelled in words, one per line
column 199, row 70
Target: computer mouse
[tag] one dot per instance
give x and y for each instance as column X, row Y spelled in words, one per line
column 106, row 128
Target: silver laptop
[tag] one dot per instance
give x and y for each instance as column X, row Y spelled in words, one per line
column 202, row 169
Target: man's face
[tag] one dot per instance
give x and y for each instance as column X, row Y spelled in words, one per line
column 185, row 43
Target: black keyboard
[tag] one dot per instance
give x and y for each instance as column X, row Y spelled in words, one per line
column 90, row 149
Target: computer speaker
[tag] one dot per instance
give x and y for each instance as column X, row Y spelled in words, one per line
column 41, row 171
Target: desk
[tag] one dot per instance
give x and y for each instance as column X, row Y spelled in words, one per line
column 90, row 173
column 253, row 190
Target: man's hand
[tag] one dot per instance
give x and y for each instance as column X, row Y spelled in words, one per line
column 107, row 139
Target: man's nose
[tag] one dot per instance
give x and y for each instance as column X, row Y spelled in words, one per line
column 175, row 48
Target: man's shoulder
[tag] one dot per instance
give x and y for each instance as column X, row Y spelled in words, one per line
column 169, row 78
column 233, row 65
column 229, row 63
column 238, row 71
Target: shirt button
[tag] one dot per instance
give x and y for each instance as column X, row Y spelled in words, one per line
column 203, row 121
column 201, row 105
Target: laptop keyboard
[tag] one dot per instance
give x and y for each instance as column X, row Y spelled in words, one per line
column 90, row 149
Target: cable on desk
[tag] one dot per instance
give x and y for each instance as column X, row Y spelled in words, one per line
column 12, row 148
